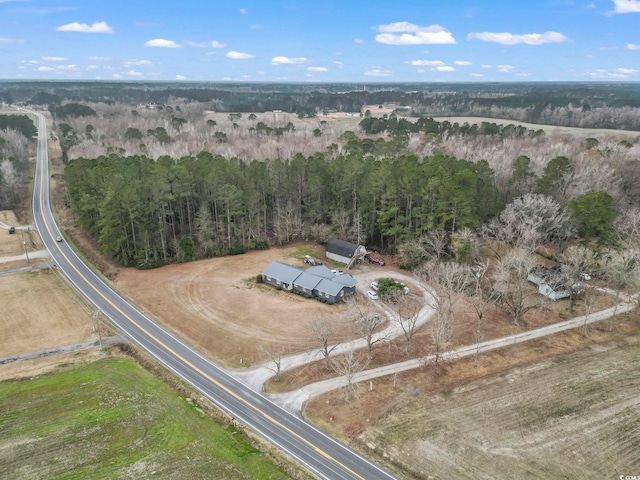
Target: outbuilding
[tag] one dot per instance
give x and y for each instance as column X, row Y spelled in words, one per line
column 345, row 252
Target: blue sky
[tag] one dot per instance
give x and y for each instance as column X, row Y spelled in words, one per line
column 326, row 41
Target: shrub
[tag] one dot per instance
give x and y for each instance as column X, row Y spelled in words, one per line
column 259, row 278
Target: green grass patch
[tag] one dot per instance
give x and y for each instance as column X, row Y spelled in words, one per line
column 113, row 419
column 301, row 251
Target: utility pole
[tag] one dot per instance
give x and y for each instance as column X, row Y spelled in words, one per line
column 96, row 327
column 24, row 244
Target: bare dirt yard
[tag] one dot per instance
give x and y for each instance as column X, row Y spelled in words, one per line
column 217, row 306
column 40, row 311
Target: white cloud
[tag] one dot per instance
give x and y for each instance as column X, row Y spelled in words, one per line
column 626, row 71
column 243, row 11
column 444, row 68
column 92, row 67
column 462, row 63
column 506, row 38
column 161, row 43
column 11, row 41
column 504, row 68
column 239, row 55
column 66, row 67
column 626, row 6
column 412, row 34
column 180, row 77
column 318, row 69
column 133, row 73
column 117, row 75
column 54, row 59
column 280, row 60
column 45, row 69
column 426, row 63
column 378, row 72
column 99, row 59
column 137, row 63
column 97, row 27
column 359, row 41
column 633, row 46
column 217, row 44
column 479, row 75
column 604, row 73
column 486, row 66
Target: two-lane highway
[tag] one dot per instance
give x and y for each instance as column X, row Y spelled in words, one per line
column 317, row 452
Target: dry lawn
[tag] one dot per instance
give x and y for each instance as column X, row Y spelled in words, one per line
column 40, row 311
column 217, row 306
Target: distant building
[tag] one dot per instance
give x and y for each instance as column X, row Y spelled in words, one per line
column 316, row 281
column 345, row 252
column 552, row 283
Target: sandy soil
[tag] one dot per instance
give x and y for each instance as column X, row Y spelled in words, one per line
column 217, row 306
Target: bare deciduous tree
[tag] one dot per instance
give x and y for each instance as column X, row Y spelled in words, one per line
column 347, row 366
column 367, row 328
column 405, row 314
column 275, row 361
column 511, row 287
column 530, row 221
column 449, row 281
column 322, row 329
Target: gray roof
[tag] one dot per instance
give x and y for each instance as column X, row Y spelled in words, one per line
column 282, row 271
column 307, row 280
column 330, row 287
column 346, row 280
column 313, row 278
column 342, row 248
column 321, row 271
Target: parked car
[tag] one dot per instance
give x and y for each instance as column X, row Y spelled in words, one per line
column 372, row 295
column 337, row 272
column 376, row 261
column 374, row 286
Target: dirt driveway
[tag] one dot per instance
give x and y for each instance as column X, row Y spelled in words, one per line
column 217, row 306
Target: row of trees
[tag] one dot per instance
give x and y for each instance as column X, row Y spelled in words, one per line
column 401, row 126
column 141, row 210
column 15, row 134
column 146, row 212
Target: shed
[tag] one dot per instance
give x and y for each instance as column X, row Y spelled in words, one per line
column 344, row 252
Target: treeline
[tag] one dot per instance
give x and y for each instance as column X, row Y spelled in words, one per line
column 576, row 104
column 145, row 213
column 400, row 126
column 20, row 123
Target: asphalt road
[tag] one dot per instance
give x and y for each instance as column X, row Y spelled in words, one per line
column 319, row 453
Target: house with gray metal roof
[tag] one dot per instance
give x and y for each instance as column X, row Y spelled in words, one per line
column 318, row 281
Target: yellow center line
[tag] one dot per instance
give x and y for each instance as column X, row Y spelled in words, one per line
column 180, row 357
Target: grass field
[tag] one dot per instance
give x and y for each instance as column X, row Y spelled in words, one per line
column 113, row 419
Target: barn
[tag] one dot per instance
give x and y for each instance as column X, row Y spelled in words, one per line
column 345, row 252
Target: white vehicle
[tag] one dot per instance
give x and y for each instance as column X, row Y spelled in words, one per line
column 337, row 272
column 372, row 295
column 58, row 238
column 585, row 276
column 374, row 286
